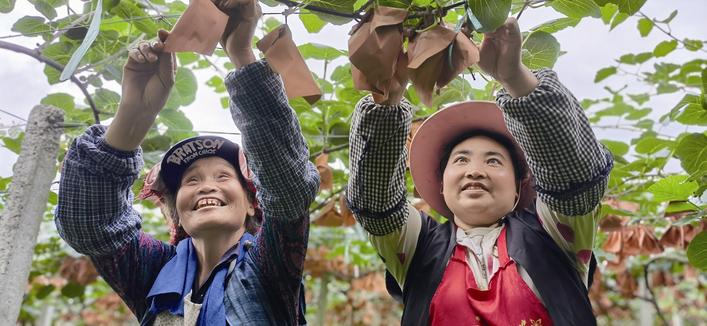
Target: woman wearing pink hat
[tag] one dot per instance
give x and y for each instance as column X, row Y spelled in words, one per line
column 520, row 182
column 221, row 273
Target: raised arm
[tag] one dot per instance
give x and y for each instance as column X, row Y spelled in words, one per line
column 95, row 214
column 376, row 191
column 277, row 153
column 570, row 166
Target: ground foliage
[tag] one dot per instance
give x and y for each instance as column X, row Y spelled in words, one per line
column 651, row 244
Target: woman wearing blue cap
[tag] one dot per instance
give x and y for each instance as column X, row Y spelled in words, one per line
column 221, row 273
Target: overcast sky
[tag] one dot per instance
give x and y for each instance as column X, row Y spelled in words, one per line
column 590, row 46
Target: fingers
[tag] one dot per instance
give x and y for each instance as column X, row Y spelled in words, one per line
column 149, row 52
column 167, row 69
column 162, row 35
column 146, row 52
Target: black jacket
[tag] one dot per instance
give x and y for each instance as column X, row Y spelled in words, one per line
column 562, row 290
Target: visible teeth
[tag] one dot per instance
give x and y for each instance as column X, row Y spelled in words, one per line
column 208, row 202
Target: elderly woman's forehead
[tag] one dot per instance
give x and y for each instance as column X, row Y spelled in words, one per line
column 210, row 161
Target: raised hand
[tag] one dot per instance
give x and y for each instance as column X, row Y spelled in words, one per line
column 500, row 57
column 148, row 76
column 238, row 35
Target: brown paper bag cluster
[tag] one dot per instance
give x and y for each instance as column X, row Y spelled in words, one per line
column 437, row 56
column 434, row 57
column 375, row 48
column 201, row 26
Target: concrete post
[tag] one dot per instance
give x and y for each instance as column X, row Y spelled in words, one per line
column 32, row 175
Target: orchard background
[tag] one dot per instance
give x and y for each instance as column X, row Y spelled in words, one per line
column 647, row 104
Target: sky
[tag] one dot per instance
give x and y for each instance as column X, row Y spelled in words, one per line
column 589, row 46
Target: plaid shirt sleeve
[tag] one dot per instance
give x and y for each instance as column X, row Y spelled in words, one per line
column 570, row 166
column 95, row 217
column 376, row 190
column 95, row 214
column 286, row 181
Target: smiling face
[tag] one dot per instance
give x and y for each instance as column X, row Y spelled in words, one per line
column 478, row 183
column 211, row 199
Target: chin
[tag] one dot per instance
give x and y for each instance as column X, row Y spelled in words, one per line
column 212, row 229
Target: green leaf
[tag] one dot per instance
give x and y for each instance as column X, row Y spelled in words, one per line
column 693, row 114
column 645, row 26
column 629, row 7
column 73, row 290
column 30, row 25
column 686, row 100
column 338, row 134
column 651, row 144
column 618, row 19
column 312, row 23
column 225, row 102
column 608, row 11
column 184, row 90
column 487, row 16
column 692, row 153
column 697, row 251
column 270, row 24
column 679, row 206
column 159, row 143
column 604, row 73
column 46, row 7
column 341, row 6
column 618, row 148
column 577, row 8
column 186, row 58
column 665, row 47
column 639, row 98
column 320, row 52
column 556, row 25
column 673, row 188
column 63, row 101
column 53, row 198
column 643, row 57
column 106, row 100
column 44, row 291
column 6, row 6
column 638, row 114
column 91, row 35
column 540, row 50
column 128, row 9
column 692, row 45
column 14, row 144
column 704, row 81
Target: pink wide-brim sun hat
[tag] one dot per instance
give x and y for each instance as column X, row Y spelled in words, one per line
column 435, row 134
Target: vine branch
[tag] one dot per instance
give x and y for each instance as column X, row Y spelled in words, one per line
column 327, row 11
column 655, row 24
column 650, row 290
column 35, row 54
column 326, row 201
column 329, row 150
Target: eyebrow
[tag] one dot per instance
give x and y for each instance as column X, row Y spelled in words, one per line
column 468, row 152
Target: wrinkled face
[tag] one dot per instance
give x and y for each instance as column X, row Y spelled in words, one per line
column 478, row 183
column 211, row 199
